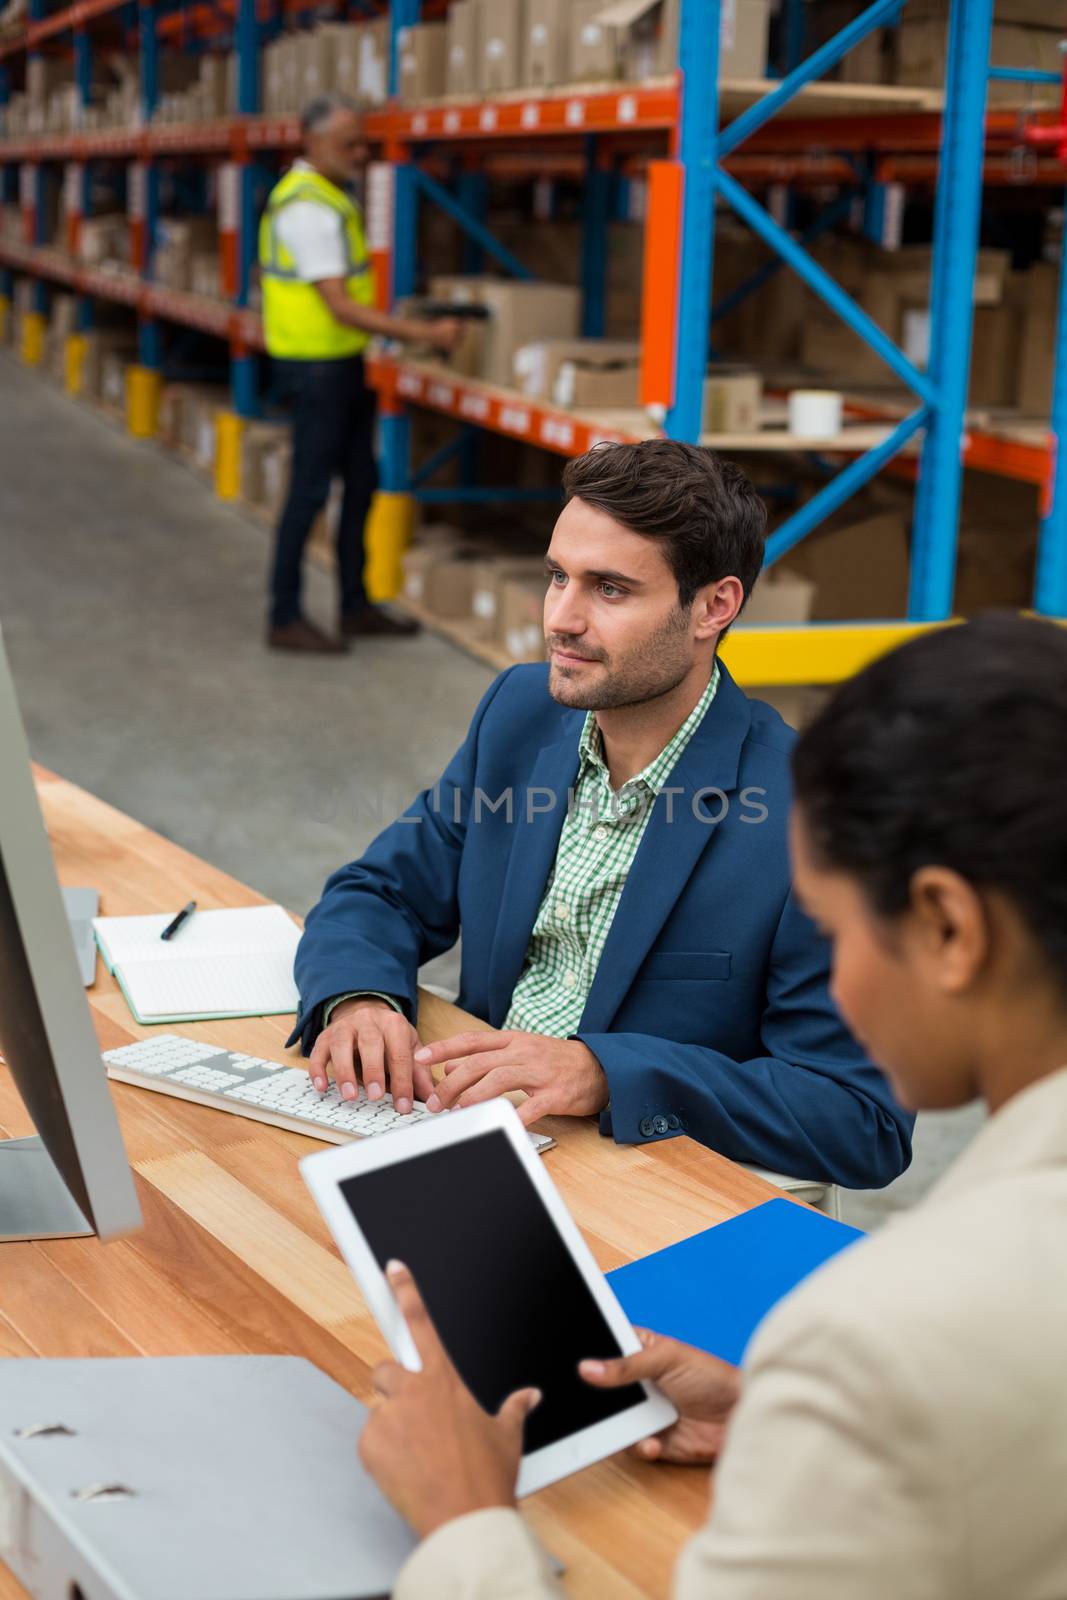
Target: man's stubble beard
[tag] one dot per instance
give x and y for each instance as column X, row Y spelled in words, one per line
column 648, row 672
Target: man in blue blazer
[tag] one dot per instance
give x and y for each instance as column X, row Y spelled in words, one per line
column 611, row 840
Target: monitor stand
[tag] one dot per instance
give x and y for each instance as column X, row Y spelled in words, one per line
column 34, row 1201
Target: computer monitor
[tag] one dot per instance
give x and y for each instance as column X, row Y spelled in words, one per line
column 73, row 1178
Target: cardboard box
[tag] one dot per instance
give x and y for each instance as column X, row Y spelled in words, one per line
column 374, row 62
column 995, row 349
column 796, row 705
column 997, row 543
column 778, row 597
column 290, row 51
column 259, row 441
column 113, row 366
column 1037, row 352
column 418, row 560
column 462, row 47
column 275, row 469
column 599, row 383
column 545, row 42
column 102, row 239
column 733, row 398
column 921, row 58
column 466, row 357
column 448, row 585
column 62, row 316
column 519, row 312
column 593, row 48
column 521, row 628
column 859, row 568
column 205, row 274
column 273, row 78
column 43, row 74
column 500, row 39
column 212, row 87
column 422, row 61
column 178, row 239
column 537, row 365
column 101, row 344
column 744, row 28
column 829, row 346
column 318, row 59
column 488, row 578
column 347, row 39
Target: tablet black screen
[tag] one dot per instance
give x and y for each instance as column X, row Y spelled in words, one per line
column 510, row 1305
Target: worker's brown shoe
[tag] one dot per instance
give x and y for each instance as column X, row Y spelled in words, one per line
column 372, row 619
column 304, row 636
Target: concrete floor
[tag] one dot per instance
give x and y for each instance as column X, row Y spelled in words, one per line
column 132, row 604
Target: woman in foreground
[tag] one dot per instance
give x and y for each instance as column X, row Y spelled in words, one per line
column 900, row 1427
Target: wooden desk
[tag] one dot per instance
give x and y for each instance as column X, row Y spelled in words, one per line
column 234, row 1258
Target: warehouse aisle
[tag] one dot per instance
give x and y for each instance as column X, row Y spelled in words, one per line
column 132, row 606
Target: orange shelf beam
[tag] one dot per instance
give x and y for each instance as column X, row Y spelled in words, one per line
column 468, row 401
column 629, row 108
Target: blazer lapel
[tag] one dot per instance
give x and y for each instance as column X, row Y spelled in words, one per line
column 680, row 828
column 539, row 811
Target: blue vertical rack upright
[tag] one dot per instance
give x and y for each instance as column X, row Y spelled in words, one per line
column 942, row 389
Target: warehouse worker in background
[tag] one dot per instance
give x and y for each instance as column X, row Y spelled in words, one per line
column 318, row 316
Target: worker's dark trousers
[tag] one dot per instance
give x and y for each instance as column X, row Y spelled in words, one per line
column 333, row 437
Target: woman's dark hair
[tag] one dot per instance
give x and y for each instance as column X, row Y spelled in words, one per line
column 951, row 751
column 703, row 508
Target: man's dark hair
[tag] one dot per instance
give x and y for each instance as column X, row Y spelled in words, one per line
column 704, row 509
column 950, row 751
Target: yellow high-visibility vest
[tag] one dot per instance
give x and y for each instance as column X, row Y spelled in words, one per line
column 297, row 323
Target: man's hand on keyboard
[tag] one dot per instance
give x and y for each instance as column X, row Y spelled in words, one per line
column 561, row 1077
column 367, row 1040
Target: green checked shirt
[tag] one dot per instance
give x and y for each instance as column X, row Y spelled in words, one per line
column 600, row 838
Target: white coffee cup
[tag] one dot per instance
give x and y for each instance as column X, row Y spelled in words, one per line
column 815, row 413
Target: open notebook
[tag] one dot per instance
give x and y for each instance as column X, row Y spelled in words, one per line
column 221, row 964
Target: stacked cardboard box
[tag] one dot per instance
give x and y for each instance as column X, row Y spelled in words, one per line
column 261, row 444
column 491, row 593
column 894, row 288
column 422, row 56
column 345, row 58
column 179, row 242
column 462, row 47
column 569, row 372
column 518, row 312
column 108, row 351
column 62, row 321
column 1026, row 33
column 104, row 241
column 733, row 398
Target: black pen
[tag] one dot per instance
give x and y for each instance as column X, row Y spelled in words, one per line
column 183, row 916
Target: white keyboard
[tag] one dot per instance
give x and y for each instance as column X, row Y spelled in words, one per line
column 266, row 1091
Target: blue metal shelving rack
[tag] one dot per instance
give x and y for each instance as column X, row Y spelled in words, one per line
column 701, row 149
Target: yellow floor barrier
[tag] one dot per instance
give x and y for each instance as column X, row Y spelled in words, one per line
column 386, row 535
column 74, row 350
column 143, row 385
column 228, row 430
column 34, row 329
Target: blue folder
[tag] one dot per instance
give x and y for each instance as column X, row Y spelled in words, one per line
column 714, row 1289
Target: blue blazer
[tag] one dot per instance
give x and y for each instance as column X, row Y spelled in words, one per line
column 709, row 1011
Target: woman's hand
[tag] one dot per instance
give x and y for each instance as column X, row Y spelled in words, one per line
column 704, row 1391
column 429, row 1445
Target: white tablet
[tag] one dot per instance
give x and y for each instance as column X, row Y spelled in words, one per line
column 510, row 1283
